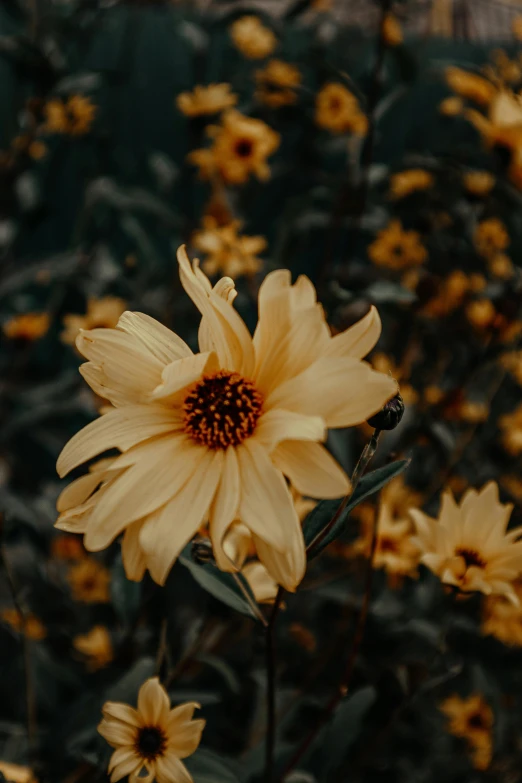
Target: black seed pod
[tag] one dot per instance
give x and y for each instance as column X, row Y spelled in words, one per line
column 390, row 416
column 202, row 551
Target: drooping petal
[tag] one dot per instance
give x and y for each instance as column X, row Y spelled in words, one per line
column 279, row 425
column 182, row 714
column 161, row 342
column 311, row 469
column 117, row 711
column 169, row 769
column 129, row 762
column 132, row 554
column 79, row 490
column 116, row 733
column 286, row 568
column 182, row 373
column 224, row 509
column 122, row 756
column 153, row 703
column 359, row 339
column 260, row 582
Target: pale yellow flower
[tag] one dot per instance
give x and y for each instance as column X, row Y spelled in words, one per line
column 89, row 580
column 100, row 312
column 397, row 248
column 73, row 117
column 16, row 773
column 96, row 646
column 405, row 182
column 206, row 99
column 29, row 326
column 209, row 436
column 151, row 739
column 241, row 148
column 478, row 183
column 490, row 237
column 252, row 38
column 472, row 720
column 503, row 619
column 226, row 251
column 468, row 546
column 337, row 110
column 470, row 85
column 511, row 426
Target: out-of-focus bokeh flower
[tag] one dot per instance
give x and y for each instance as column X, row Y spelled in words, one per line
column 29, row 624
column 501, row 130
column 405, row 182
column 503, row 619
column 153, row 738
column 468, row 545
column 491, row 237
column 384, row 363
column 471, row 719
column 29, row 326
column 240, row 148
column 73, row 117
column 89, row 581
column 392, row 30
column 15, row 773
column 396, row 248
column 452, row 106
column 337, row 110
column 100, row 312
column 252, row 38
column 206, row 99
column 478, row 183
column 226, row 251
column 470, row 85
column 511, row 427
column 516, row 27
column 277, row 83
column 96, row 646
column 481, row 313
column 67, row 548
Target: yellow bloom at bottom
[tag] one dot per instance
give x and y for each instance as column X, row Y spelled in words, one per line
column 96, row 646
column 29, row 326
column 151, row 739
column 89, row 582
column 227, row 251
column 472, row 720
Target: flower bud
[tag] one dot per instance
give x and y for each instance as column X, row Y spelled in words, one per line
column 202, row 551
column 390, row 416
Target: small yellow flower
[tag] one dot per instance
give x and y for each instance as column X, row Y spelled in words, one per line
column 17, row 774
column 472, row 720
column 29, row 326
column 96, row 646
column 337, row 110
column 468, row 546
column 30, row 625
column 153, row 738
column 511, row 426
column 500, row 265
column 277, row 83
column 100, row 312
column 391, row 30
column 208, row 99
column 73, row 117
column 90, row 582
column 503, row 619
column 252, row 38
column 512, row 361
column 451, row 107
column 396, row 248
column 228, row 252
column 502, row 129
column 405, row 182
column 491, row 237
column 67, row 548
column 470, row 85
column 481, row 313
column 478, row 183
column 241, row 148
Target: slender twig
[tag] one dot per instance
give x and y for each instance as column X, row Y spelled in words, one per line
column 162, row 646
column 270, row 657
column 30, row 706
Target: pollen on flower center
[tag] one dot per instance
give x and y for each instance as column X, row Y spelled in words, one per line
column 471, row 557
column 222, row 410
column 151, row 742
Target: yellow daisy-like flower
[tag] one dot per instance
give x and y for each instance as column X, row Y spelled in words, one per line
column 397, row 248
column 405, row 182
column 337, row 110
column 241, row 148
column 29, row 326
column 468, row 546
column 29, row 625
column 472, row 720
column 276, row 83
column 209, row 436
column 151, row 740
column 503, row 619
column 490, row 237
column 96, row 646
column 16, row 773
column 252, row 38
column 206, row 99
column 478, row 183
column 100, row 312
column 73, row 117
column 89, row 580
column 511, row 426
column 470, row 85
column 226, row 251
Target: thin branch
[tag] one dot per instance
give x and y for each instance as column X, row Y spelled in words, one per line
column 248, row 598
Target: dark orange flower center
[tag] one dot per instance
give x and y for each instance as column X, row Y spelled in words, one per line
column 222, row 410
column 151, row 742
column 471, row 557
column 387, row 544
column 243, row 148
column 476, row 721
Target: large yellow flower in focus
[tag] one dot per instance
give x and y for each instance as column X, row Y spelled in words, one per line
column 211, row 436
column 468, row 546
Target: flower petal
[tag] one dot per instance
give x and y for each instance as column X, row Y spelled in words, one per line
column 169, row 769
column 116, row 733
column 153, row 703
column 161, row 342
column 132, row 554
column 122, row 755
column 224, row 508
column 117, row 711
column 359, row 339
column 277, row 425
column 186, row 738
column 182, row 714
column 130, row 762
column 311, row 469
column 182, row 373
column 286, row 568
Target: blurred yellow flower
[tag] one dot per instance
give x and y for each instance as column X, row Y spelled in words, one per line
column 35, row 148
column 384, row 363
column 501, row 266
column 73, row 117
column 241, row 147
column 29, row 326
column 337, row 110
column 67, row 548
column 30, row 625
column 397, row 248
column 89, row 581
column 503, row 619
column 396, row 551
column 100, row 312
column 470, row 85
column 152, row 738
column 206, row 99
column 17, row 774
column 516, row 27
column 478, row 183
column 468, row 547
column 252, row 38
column 512, row 361
column 511, row 427
column 490, row 237
column 226, row 251
column 502, row 129
column 451, row 107
column 391, row 30
column 276, row 83
column 471, row 719
column 481, row 313
column 96, row 646
column 405, row 182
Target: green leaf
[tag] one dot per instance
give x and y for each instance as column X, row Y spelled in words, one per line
column 220, row 585
column 346, row 727
column 125, row 594
column 319, row 518
column 207, row 767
